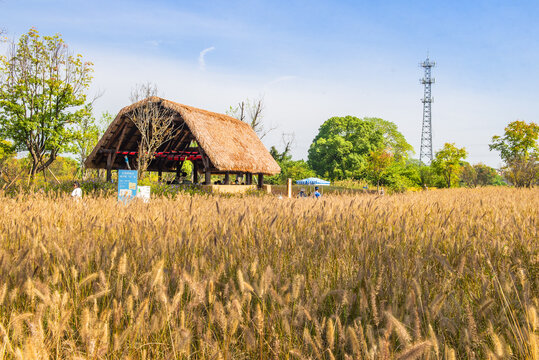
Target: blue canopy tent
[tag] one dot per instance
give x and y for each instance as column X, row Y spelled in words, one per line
column 313, row 181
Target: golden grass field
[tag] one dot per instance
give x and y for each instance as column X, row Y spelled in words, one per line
column 447, row 274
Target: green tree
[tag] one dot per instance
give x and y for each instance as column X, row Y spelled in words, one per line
column 485, row 175
column 84, row 141
column 42, row 97
column 378, row 163
column 6, row 150
column 478, row 175
column 428, row 177
column 394, row 142
column 519, row 149
column 420, row 175
column 468, row 175
column 447, row 162
column 293, row 169
column 65, row 168
column 342, row 147
column 87, row 133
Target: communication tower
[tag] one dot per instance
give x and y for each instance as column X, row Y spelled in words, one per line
column 425, row 153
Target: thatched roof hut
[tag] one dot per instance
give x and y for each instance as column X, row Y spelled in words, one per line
column 223, row 144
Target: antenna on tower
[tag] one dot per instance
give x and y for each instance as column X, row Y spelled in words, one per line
column 425, row 153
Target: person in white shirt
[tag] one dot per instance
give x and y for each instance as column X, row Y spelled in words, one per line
column 77, row 191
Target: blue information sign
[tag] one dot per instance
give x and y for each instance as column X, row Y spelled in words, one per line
column 127, row 185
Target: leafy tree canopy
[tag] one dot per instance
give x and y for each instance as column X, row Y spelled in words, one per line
column 519, row 141
column 85, row 137
column 342, row 146
column 42, row 96
column 447, row 162
column 479, row 175
column 6, row 150
column 519, row 150
column 394, row 141
column 378, row 164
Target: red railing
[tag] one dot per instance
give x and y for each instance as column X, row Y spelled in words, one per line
column 169, row 155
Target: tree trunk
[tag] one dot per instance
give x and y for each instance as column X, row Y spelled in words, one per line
column 32, row 173
column 143, row 161
column 35, row 162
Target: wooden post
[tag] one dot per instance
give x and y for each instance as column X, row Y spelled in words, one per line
column 195, row 172
column 227, row 178
column 109, row 167
column 289, row 188
column 247, row 178
column 207, row 177
column 260, row 181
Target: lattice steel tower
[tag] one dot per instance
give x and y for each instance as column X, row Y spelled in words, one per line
column 425, row 154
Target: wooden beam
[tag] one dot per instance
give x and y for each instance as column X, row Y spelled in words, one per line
column 177, row 147
column 177, row 143
column 114, row 135
column 129, row 135
column 120, row 140
column 161, row 162
column 260, row 181
column 227, row 178
column 205, row 159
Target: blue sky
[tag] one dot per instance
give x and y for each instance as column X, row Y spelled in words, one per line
column 311, row 59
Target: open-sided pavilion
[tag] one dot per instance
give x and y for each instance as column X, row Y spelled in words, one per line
column 214, row 143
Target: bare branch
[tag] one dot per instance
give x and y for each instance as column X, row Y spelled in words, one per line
column 254, row 111
column 288, row 140
column 156, row 125
column 143, row 91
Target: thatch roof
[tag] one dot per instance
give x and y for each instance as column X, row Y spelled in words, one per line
column 230, row 144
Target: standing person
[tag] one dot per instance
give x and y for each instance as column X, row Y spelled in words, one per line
column 316, row 192
column 77, row 191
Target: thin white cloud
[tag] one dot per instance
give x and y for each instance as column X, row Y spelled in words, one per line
column 280, row 79
column 154, row 43
column 201, row 60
